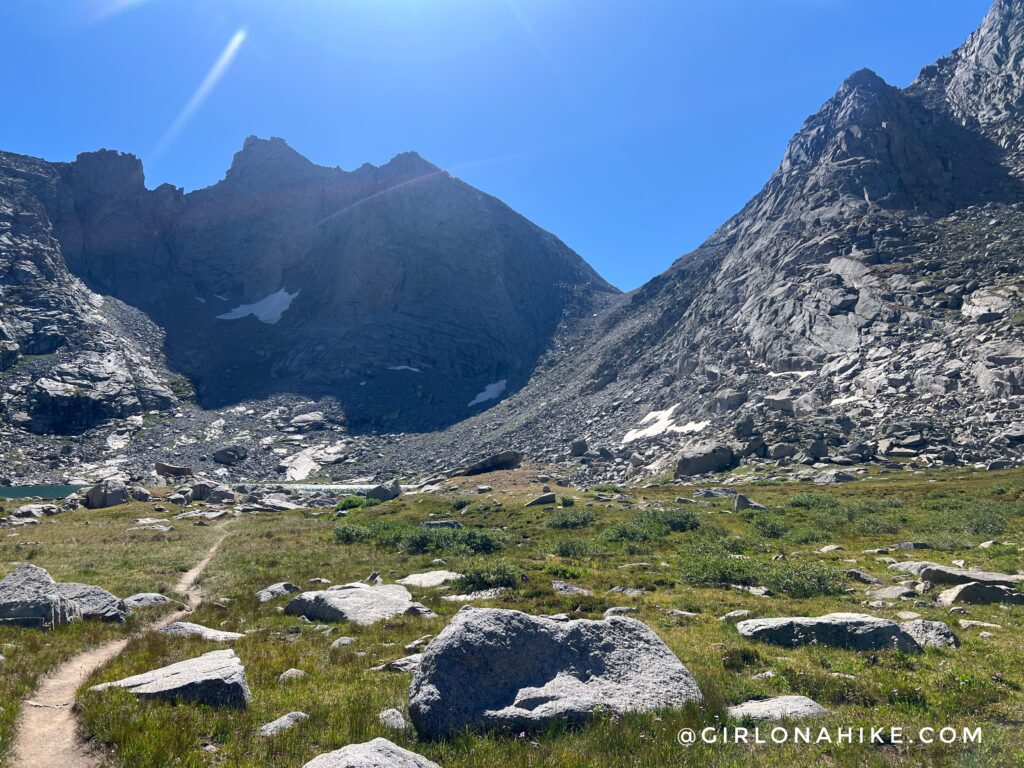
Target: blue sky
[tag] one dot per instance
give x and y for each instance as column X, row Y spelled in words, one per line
column 629, row 128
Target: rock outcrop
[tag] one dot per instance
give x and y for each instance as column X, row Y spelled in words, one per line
column 357, row 602
column 215, row 679
column 379, row 753
column 497, row 669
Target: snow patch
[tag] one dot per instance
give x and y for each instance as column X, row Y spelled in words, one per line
column 660, row 422
column 267, row 310
column 490, row 392
column 799, row 374
column 403, row 368
column 846, row 400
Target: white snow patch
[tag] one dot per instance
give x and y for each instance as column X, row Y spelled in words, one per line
column 267, row 310
column 799, row 374
column 691, row 427
column 200, row 299
column 846, row 400
column 490, row 392
column 403, row 368
column 660, row 422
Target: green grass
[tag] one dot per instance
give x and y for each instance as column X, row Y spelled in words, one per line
column 95, row 548
column 679, row 557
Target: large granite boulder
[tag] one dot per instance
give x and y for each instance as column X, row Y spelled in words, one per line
column 493, row 668
column 95, row 602
column 230, row 454
column 979, row 593
column 429, row 579
column 188, row 629
column 30, row 598
column 267, row 594
column 108, row 493
column 494, row 463
column 215, row 679
column 385, row 491
column 930, row 634
column 357, row 602
column 701, row 459
column 941, row 574
column 379, row 753
column 857, row 631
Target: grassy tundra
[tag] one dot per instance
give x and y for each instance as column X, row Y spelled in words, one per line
column 679, row 554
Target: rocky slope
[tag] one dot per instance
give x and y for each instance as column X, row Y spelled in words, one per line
column 865, row 305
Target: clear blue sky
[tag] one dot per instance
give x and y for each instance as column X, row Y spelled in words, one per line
column 629, row 128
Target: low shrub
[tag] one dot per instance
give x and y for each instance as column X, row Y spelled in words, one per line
column 794, row 578
column 501, row 574
column 571, row 518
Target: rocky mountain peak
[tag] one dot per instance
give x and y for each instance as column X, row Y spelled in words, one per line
column 108, row 173
column 408, row 165
column 269, row 159
column 982, row 81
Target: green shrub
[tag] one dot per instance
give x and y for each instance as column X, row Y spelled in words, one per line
column 571, row 518
column 350, row 534
column 770, row 525
column 496, row 575
column 653, row 524
column 574, row 548
column 873, row 525
column 607, row 488
column 796, row 579
column 423, row 540
column 676, row 519
column 417, row 539
column 460, row 504
column 809, row 500
column 567, row 501
column 350, row 502
column 974, row 517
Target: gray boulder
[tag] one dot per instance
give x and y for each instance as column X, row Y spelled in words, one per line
column 147, row 600
column 493, row 668
column 979, row 593
column 405, row 664
column 741, row 502
column 778, row 708
column 188, row 629
column 930, row 634
column 284, row 723
column 494, row 463
column 379, row 753
column 700, row 459
column 856, row 631
column 230, row 454
column 392, row 718
column 30, row 598
column 95, row 602
column 429, row 578
column 267, row 594
column 894, row 592
column 941, row 574
column 215, row 679
column 108, row 493
column 544, row 498
column 385, row 491
column 357, row 602
column 170, row 470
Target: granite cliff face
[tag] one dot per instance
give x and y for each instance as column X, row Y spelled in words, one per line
column 409, row 296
